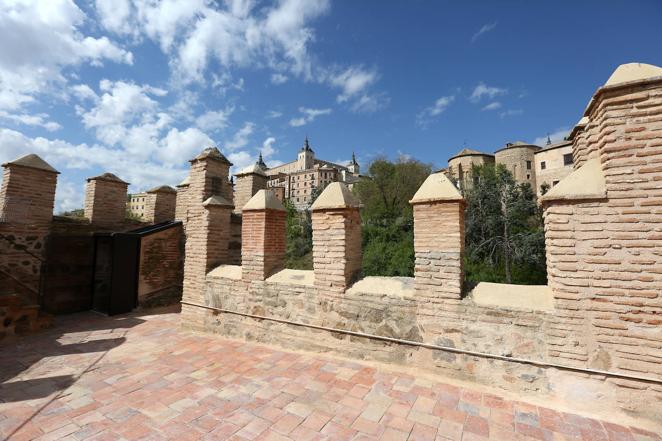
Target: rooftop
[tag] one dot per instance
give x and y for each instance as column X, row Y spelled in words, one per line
column 107, row 177
column 31, row 161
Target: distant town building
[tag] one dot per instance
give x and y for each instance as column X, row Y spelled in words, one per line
column 529, row 163
column 553, row 163
column 155, row 205
column 297, row 180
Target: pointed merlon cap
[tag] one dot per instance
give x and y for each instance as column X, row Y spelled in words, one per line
column 32, row 161
column 335, row 195
column 578, row 127
column 162, row 189
column 218, row 202
column 587, row 182
column 264, row 200
column 254, row 169
column 630, row 72
column 437, row 187
column 107, row 177
column 185, row 183
column 211, row 153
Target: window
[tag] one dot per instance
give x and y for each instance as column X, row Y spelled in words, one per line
column 528, row 176
column 567, row 159
column 543, row 165
column 528, row 165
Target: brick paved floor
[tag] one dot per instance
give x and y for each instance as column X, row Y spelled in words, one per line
column 136, row 377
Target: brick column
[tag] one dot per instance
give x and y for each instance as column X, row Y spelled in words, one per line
column 602, row 229
column 438, row 239
column 207, row 228
column 337, row 253
column 27, row 194
column 249, row 181
column 105, row 200
column 160, row 204
column 263, row 236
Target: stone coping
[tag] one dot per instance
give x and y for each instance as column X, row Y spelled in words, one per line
column 524, row 297
column 437, row 187
column 293, row 277
column 389, row 286
column 585, row 183
column 226, row 272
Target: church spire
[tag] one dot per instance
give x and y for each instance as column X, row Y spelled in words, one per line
column 549, row 141
column 353, row 158
column 260, row 162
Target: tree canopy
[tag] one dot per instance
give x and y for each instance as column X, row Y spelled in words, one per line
column 503, row 227
column 388, row 227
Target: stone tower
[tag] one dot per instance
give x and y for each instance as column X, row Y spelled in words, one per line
column 306, row 157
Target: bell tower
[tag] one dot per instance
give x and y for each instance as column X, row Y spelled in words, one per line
column 306, row 157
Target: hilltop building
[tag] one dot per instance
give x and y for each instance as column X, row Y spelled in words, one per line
column 541, row 167
column 296, row 180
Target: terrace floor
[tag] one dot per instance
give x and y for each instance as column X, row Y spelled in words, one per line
column 141, row 377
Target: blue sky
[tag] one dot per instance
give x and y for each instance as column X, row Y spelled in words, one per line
column 137, row 87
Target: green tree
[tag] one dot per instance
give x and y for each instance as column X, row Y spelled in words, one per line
column 503, row 228
column 387, row 217
column 299, row 234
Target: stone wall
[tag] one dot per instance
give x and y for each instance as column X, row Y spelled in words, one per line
column 516, row 158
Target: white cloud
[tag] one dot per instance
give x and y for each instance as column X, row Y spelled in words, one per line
column 40, row 39
column 231, row 33
column 38, row 119
column 308, row 116
column 511, row 112
column 484, row 29
column 274, row 114
column 370, row 103
column 68, row 196
column 214, row 120
column 62, row 155
column 126, row 114
column 556, row 136
column 84, row 92
column 492, row 106
column 278, row 78
column 483, row 90
column 428, row 114
column 352, row 81
column 179, row 146
column 268, row 149
column 240, row 138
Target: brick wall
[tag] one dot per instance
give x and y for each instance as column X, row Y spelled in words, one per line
column 605, row 254
column 161, row 267
column 439, row 247
column 263, row 253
